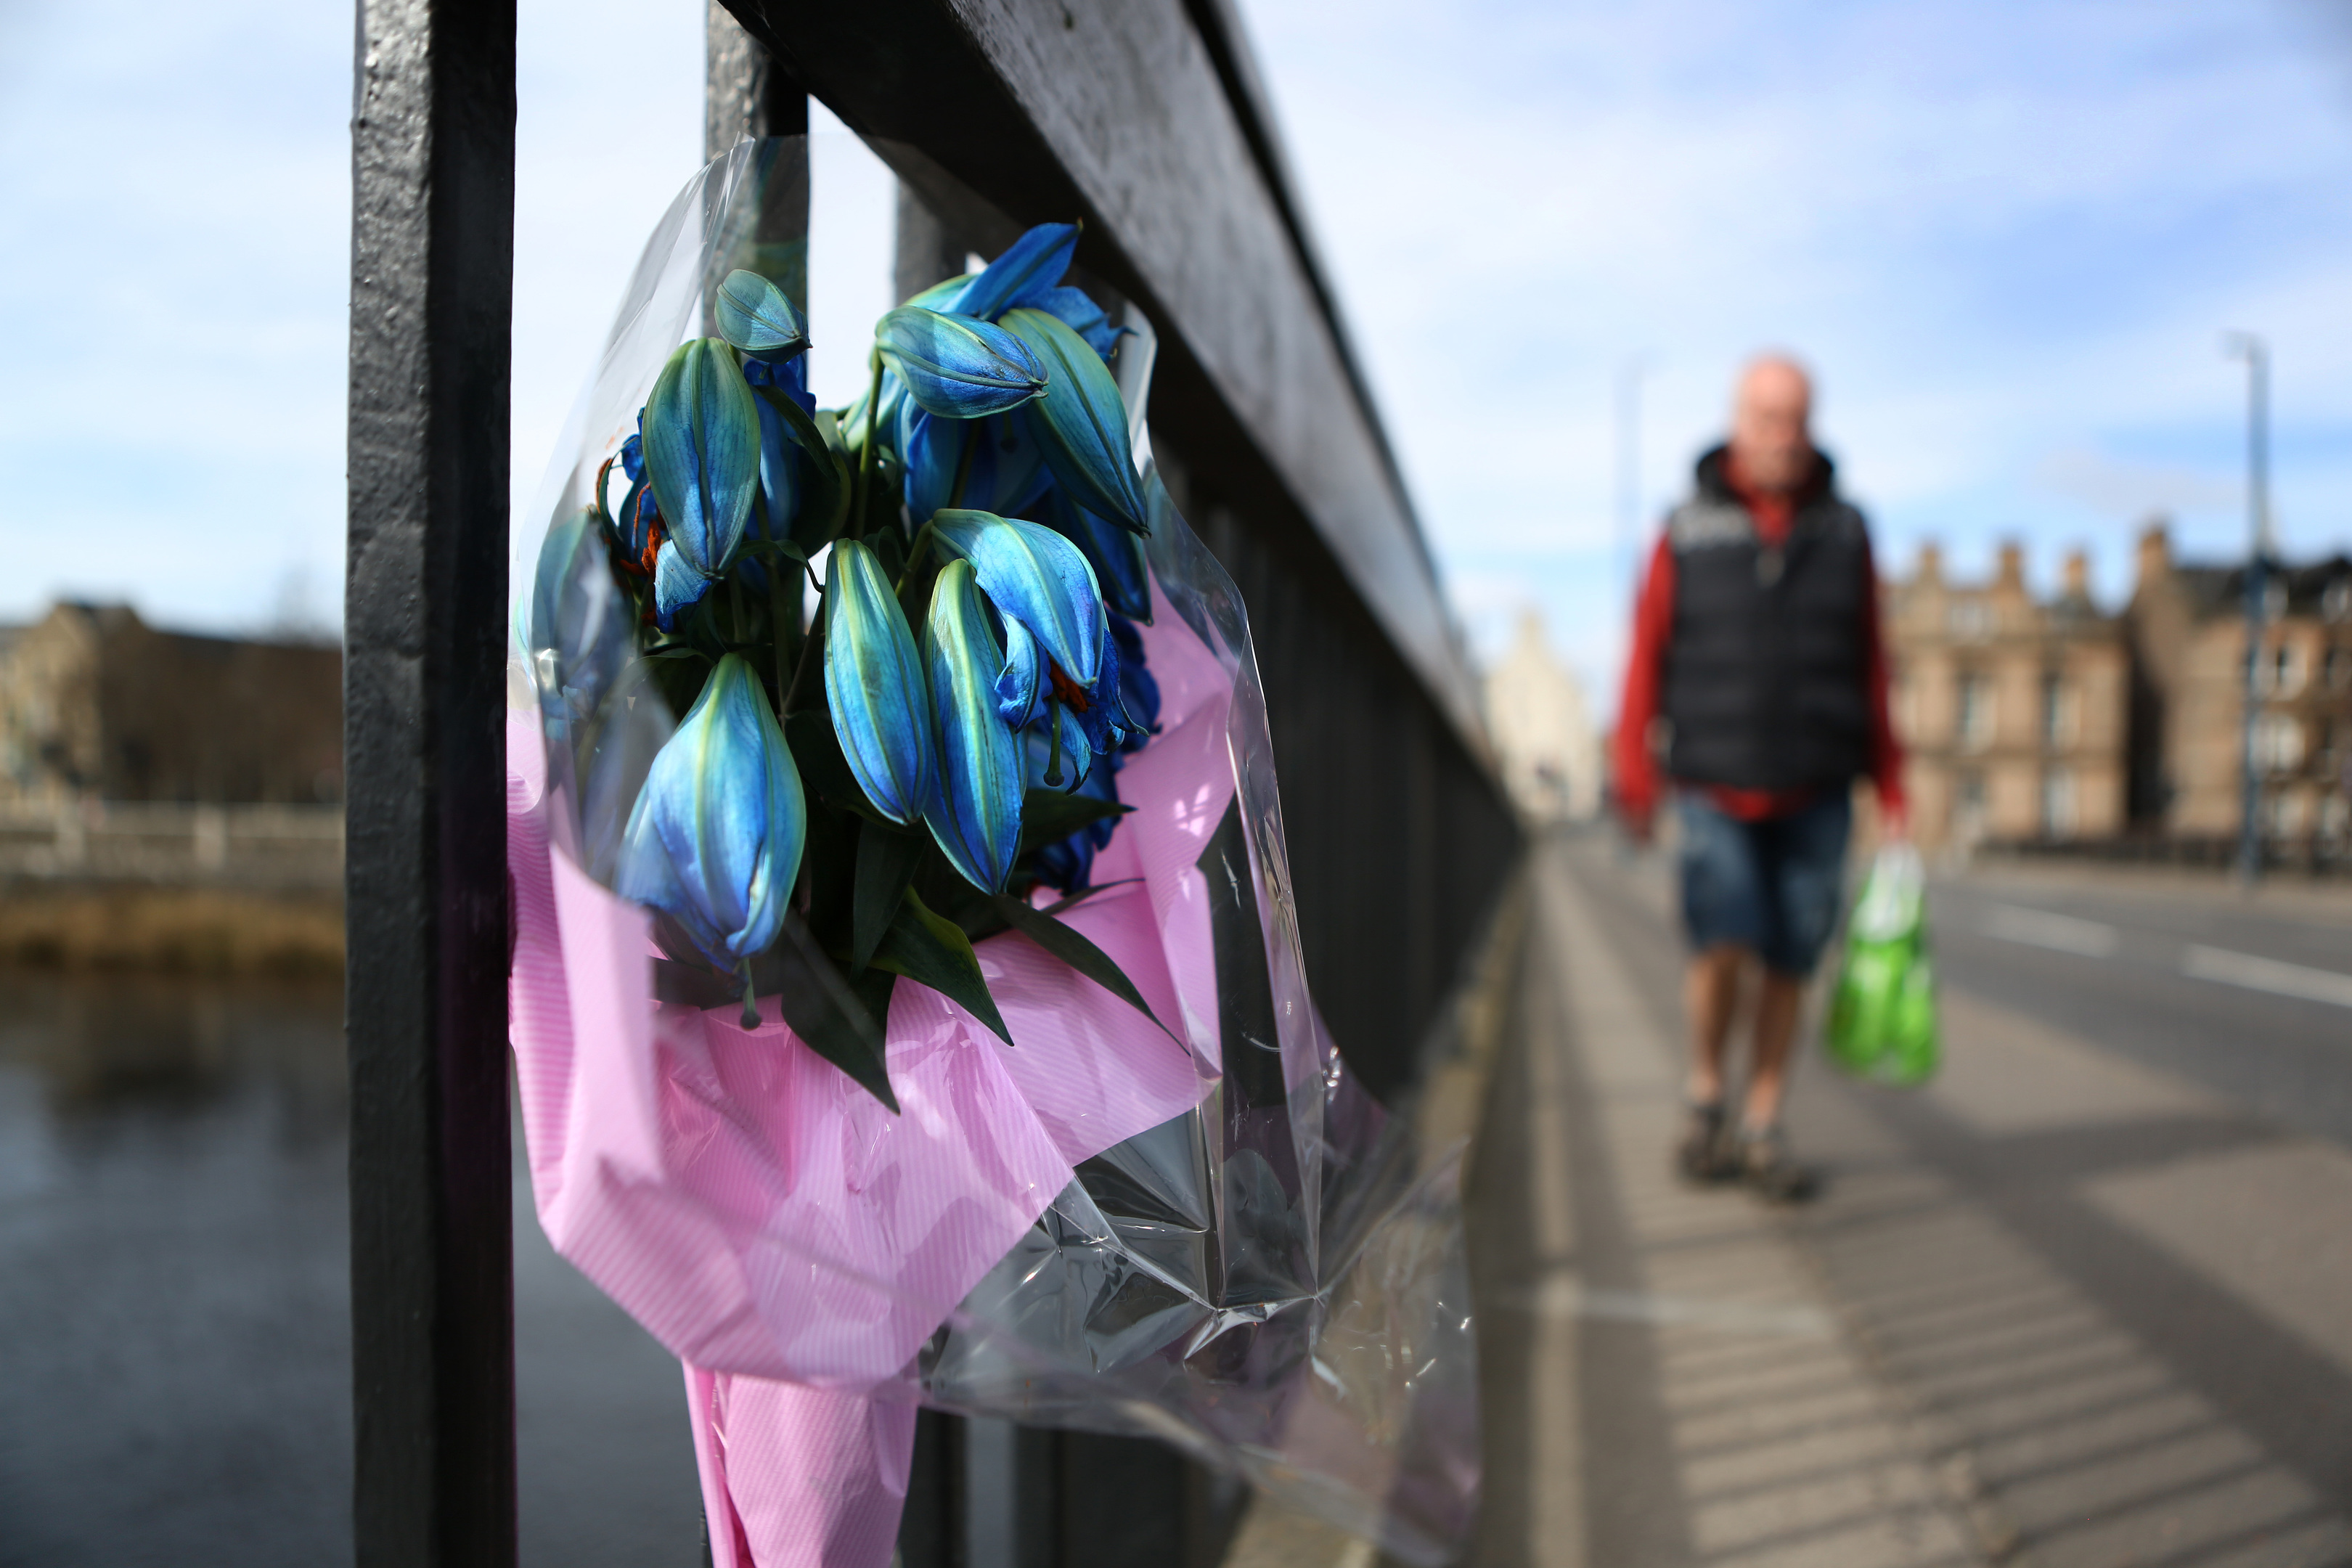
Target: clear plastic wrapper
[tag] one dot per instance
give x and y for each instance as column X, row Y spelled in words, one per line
column 1182, row 1219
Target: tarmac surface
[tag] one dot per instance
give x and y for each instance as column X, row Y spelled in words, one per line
column 2081, row 1301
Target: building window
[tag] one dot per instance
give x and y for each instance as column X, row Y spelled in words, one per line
column 1971, row 619
column 2284, row 814
column 2058, row 804
column 2339, row 666
column 1973, row 797
column 2278, row 743
column 2286, row 670
column 1974, row 711
column 2336, row 603
column 2053, row 710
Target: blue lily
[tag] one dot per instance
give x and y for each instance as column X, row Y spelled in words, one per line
column 1007, row 473
column 779, row 456
column 955, row 366
column 701, row 428
column 1080, row 423
column 1021, row 275
column 1077, row 310
column 715, row 837
column 874, row 686
column 1115, row 554
column 757, row 317
column 1068, row 863
column 974, row 816
column 637, row 530
column 1045, row 591
column 1139, row 688
column 578, row 632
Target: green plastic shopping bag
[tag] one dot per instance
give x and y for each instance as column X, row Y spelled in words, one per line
column 1881, row 1016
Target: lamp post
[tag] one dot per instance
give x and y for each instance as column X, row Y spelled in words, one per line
column 1628, row 520
column 2257, row 355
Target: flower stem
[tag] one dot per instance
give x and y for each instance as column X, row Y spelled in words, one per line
column 808, row 658
column 914, row 558
column 971, row 438
column 781, row 628
column 866, row 457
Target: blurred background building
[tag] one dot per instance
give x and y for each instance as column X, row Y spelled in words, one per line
column 1542, row 729
column 131, row 753
column 2048, row 722
column 2188, row 647
column 2012, row 711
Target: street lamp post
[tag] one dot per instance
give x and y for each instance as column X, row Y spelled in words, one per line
column 1628, row 520
column 2257, row 355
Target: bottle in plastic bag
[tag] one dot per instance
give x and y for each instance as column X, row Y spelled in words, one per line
column 1881, row 1016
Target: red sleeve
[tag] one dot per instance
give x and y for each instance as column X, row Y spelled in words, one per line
column 1653, row 623
column 1886, row 750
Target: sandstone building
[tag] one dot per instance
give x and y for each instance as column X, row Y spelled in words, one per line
column 2011, row 711
column 1544, row 737
column 2189, row 646
column 97, row 705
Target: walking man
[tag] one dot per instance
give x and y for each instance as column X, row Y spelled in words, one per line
column 1756, row 641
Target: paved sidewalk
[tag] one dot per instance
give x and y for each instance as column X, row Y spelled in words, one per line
column 2108, row 1305
column 1668, row 1380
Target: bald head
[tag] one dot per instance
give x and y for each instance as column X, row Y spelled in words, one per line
column 1771, row 424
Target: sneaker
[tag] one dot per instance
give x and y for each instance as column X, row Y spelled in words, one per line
column 1771, row 1171
column 1700, row 1153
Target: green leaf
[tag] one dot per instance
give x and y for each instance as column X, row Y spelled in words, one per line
column 932, row 951
column 1075, row 951
column 836, row 1020
column 841, row 1021
column 886, row 869
column 1050, row 816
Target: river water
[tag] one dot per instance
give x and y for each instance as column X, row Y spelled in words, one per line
column 174, row 1301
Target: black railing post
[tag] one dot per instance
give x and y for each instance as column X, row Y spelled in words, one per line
column 432, row 1245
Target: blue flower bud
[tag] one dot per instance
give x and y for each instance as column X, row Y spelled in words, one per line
column 758, row 317
column 955, row 366
column 1081, row 421
column 702, row 427
column 716, row 836
column 975, row 813
column 874, row 685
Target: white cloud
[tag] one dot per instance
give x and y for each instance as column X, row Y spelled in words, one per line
column 1997, row 231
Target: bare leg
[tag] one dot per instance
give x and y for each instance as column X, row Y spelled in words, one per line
column 1776, row 1030
column 1710, row 989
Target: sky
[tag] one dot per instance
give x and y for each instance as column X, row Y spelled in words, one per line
column 2008, row 236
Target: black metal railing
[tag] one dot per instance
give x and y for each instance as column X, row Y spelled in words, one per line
column 1399, row 836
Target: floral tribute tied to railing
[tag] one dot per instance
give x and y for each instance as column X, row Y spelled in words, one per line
column 907, row 999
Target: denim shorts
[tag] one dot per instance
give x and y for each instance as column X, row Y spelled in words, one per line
column 1772, row 887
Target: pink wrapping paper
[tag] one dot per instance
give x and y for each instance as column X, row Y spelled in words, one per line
column 783, row 1234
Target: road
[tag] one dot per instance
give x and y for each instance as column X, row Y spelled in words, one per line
column 2082, row 1302
column 2251, row 997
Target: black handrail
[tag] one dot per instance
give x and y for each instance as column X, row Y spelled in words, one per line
column 432, row 125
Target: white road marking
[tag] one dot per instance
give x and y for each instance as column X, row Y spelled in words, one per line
column 2218, row 963
column 2039, row 928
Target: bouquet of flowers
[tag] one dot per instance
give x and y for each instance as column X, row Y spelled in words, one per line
column 907, row 1001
